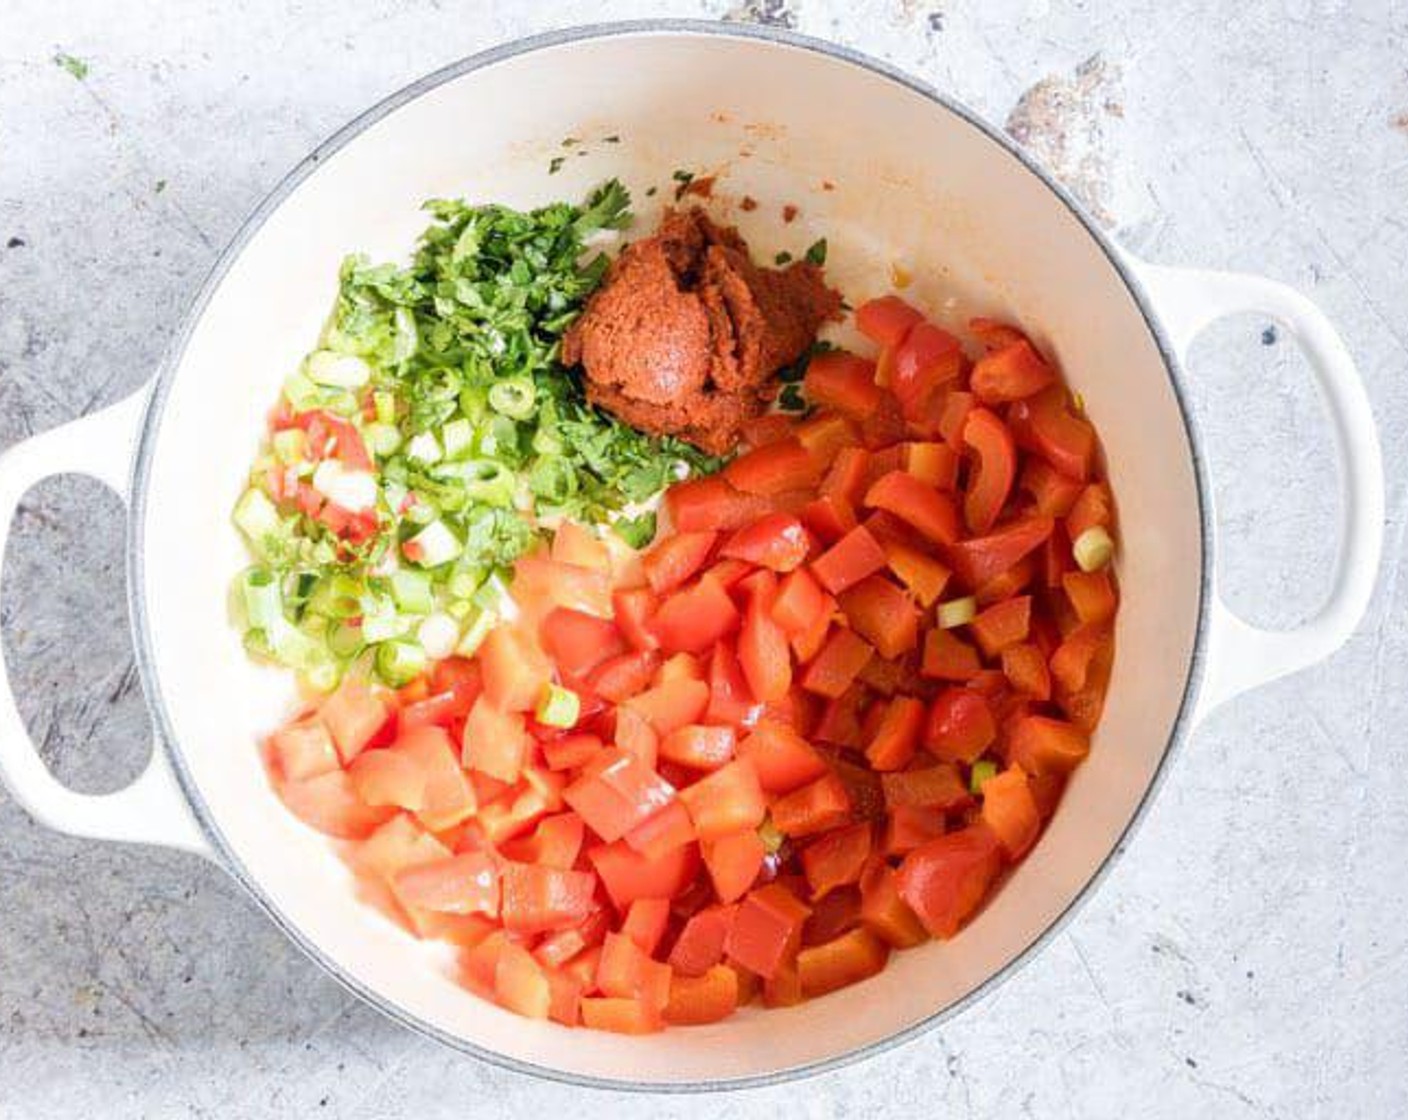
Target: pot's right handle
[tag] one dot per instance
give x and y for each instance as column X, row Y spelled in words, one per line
column 1241, row 656
column 152, row 810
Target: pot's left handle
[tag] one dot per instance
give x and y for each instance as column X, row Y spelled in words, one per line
column 1242, row 656
column 152, row 810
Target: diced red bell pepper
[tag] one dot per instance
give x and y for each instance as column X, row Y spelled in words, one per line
column 838, row 663
column 695, row 618
column 1002, row 624
column 836, row 859
column 536, row 898
column 619, row 678
column 847, row 959
column 672, row 704
column 925, row 576
column 695, row 1000
column 1045, row 424
column 1025, row 666
column 1071, row 663
column 733, row 862
column 884, row 912
column 948, row 657
column 645, row 923
column 447, row 797
column 777, row 541
column 766, row 930
column 825, row 436
column 782, row 759
column 934, row 464
column 886, row 319
column 843, row 382
column 928, row 357
column 515, row 669
column 556, row 841
column 763, row 653
column 770, row 427
column 953, row 415
column 849, row 560
column 882, row 614
column 698, row 746
column 664, row 832
column 799, row 602
column 711, row 504
column 1094, row 507
column 578, row 642
column 932, row 512
column 620, row 1016
column 1012, row 582
column 574, row 543
column 700, row 945
column 675, row 558
column 960, row 727
column 1010, row 811
column 773, row 469
column 520, row 984
column 990, row 481
column 615, row 792
column 329, row 803
column 1011, row 373
column 848, row 476
column 1041, row 745
column 979, row 559
column 829, row 517
column 725, row 801
column 540, row 583
column 909, row 826
column 495, row 741
column 635, row 735
column 994, row 334
column 946, row 880
column 1091, row 594
column 816, row 807
column 462, row 884
column 897, row 737
column 1053, row 492
column 632, row 609
column 935, row 787
column 629, row 875
column 353, row 715
column 388, row 778
column 304, row 750
column 730, row 701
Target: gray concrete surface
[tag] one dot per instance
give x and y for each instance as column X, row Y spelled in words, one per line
column 1250, row 955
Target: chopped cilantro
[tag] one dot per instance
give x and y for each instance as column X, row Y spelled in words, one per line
column 816, row 251
column 650, row 192
column 612, row 139
column 636, row 531
column 555, row 165
column 683, row 178
column 782, row 258
column 791, row 398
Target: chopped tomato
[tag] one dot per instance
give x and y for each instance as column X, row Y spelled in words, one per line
column 1053, row 492
column 462, row 884
column 1094, row 507
column 1070, row 664
column 884, row 912
column 782, row 759
column 447, row 797
column 353, row 715
column 303, row 750
column 620, row 1016
column 575, row 544
column 799, row 602
column 619, row 678
column 825, row 436
column 953, row 416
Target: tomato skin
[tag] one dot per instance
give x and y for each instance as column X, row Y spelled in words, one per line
column 842, row 382
column 996, row 470
column 930, row 511
column 882, row 614
column 850, row 560
column 671, row 561
column 886, row 319
column 945, row 880
column 960, row 727
column 777, row 541
column 773, row 469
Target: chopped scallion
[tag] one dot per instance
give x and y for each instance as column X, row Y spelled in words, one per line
column 957, row 612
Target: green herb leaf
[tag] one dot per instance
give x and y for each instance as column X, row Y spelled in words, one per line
column 816, row 252
column 74, row 65
column 636, row 531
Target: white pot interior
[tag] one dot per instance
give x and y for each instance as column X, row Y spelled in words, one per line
column 914, row 183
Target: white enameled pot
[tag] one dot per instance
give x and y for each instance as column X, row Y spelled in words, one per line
column 913, row 179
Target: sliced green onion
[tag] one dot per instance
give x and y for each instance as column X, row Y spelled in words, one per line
column 434, row 545
column 385, row 405
column 957, row 612
column 263, row 600
column 983, row 769
column 322, row 677
column 303, row 394
column 345, row 639
column 483, row 480
column 381, row 621
column 513, row 398
column 475, row 633
column 424, row 448
column 336, row 371
column 400, row 662
column 457, row 438
column 407, row 338
column 337, row 596
column 255, row 515
column 1093, row 549
column 383, row 439
column 290, row 445
column 771, row 836
column 558, row 707
column 464, row 582
column 438, row 635
column 412, row 591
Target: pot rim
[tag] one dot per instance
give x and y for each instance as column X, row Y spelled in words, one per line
column 175, row 352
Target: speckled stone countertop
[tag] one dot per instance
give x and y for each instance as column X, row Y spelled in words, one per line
column 1249, row 957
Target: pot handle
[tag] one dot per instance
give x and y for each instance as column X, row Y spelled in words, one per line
column 152, row 810
column 1241, row 656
